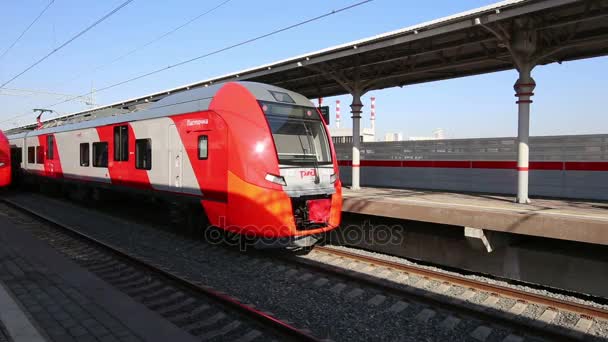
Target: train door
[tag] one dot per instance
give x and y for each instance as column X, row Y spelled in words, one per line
column 176, row 156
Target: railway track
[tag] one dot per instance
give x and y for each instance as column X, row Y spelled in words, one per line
column 430, row 305
column 194, row 307
column 433, row 287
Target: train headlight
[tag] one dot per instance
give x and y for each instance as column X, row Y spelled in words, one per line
column 333, row 178
column 1, row 164
column 275, row 179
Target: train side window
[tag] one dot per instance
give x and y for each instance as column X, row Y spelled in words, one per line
column 16, row 155
column 31, row 155
column 121, row 143
column 203, row 150
column 84, row 154
column 39, row 155
column 50, row 142
column 143, row 154
column 100, row 154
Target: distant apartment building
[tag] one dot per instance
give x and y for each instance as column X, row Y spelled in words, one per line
column 438, row 134
column 390, row 136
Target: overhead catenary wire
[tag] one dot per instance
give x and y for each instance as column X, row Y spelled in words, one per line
column 152, row 41
column 26, row 29
column 215, row 52
column 357, row 4
column 79, row 34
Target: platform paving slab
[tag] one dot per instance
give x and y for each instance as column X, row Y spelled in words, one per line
column 573, row 220
column 65, row 302
column 14, row 324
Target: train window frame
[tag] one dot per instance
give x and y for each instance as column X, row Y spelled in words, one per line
column 50, row 144
column 143, row 161
column 31, row 155
column 201, row 139
column 39, row 155
column 121, row 143
column 96, row 146
column 85, row 162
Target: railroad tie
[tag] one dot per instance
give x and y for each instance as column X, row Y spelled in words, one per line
column 338, row 288
column 443, row 288
column 450, row 323
column 367, row 269
column 320, row 282
column 354, row 293
column 186, row 302
column 582, row 326
column 338, row 261
column 513, row 338
column 518, row 308
column 377, row 300
column 250, row 336
column 291, row 272
column 425, row 315
column 185, row 315
column 305, row 277
column 464, row 297
column 401, row 278
column 165, row 300
column 481, row 333
column 207, row 322
column 221, row 331
column 325, row 258
column 547, row 317
column 491, row 301
column 398, row 307
column 384, row 273
column 422, row 283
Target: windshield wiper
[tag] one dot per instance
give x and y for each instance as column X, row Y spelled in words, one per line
column 312, row 149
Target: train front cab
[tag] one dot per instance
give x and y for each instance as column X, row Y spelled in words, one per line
column 283, row 185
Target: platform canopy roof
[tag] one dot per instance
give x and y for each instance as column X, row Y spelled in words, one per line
column 468, row 43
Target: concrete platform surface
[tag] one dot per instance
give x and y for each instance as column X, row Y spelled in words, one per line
column 573, row 220
column 46, row 296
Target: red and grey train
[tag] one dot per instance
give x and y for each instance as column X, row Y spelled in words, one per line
column 5, row 162
column 254, row 158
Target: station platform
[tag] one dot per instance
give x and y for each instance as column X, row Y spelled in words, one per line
column 572, row 220
column 44, row 296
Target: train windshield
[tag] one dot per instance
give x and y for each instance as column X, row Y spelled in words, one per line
column 299, row 134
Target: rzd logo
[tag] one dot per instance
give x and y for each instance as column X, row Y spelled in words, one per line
column 308, row 173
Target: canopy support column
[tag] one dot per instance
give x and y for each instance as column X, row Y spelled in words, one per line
column 521, row 41
column 523, row 90
column 523, row 48
column 356, row 107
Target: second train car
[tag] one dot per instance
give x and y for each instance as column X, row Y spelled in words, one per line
column 5, row 161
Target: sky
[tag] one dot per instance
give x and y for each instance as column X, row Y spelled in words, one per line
column 569, row 97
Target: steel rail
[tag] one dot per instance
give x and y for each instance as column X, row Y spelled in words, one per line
column 456, row 305
column 516, row 294
column 265, row 319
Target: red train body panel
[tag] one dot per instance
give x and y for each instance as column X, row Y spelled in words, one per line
column 5, row 161
column 257, row 159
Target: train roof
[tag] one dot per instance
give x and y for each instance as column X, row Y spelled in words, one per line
column 194, row 100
